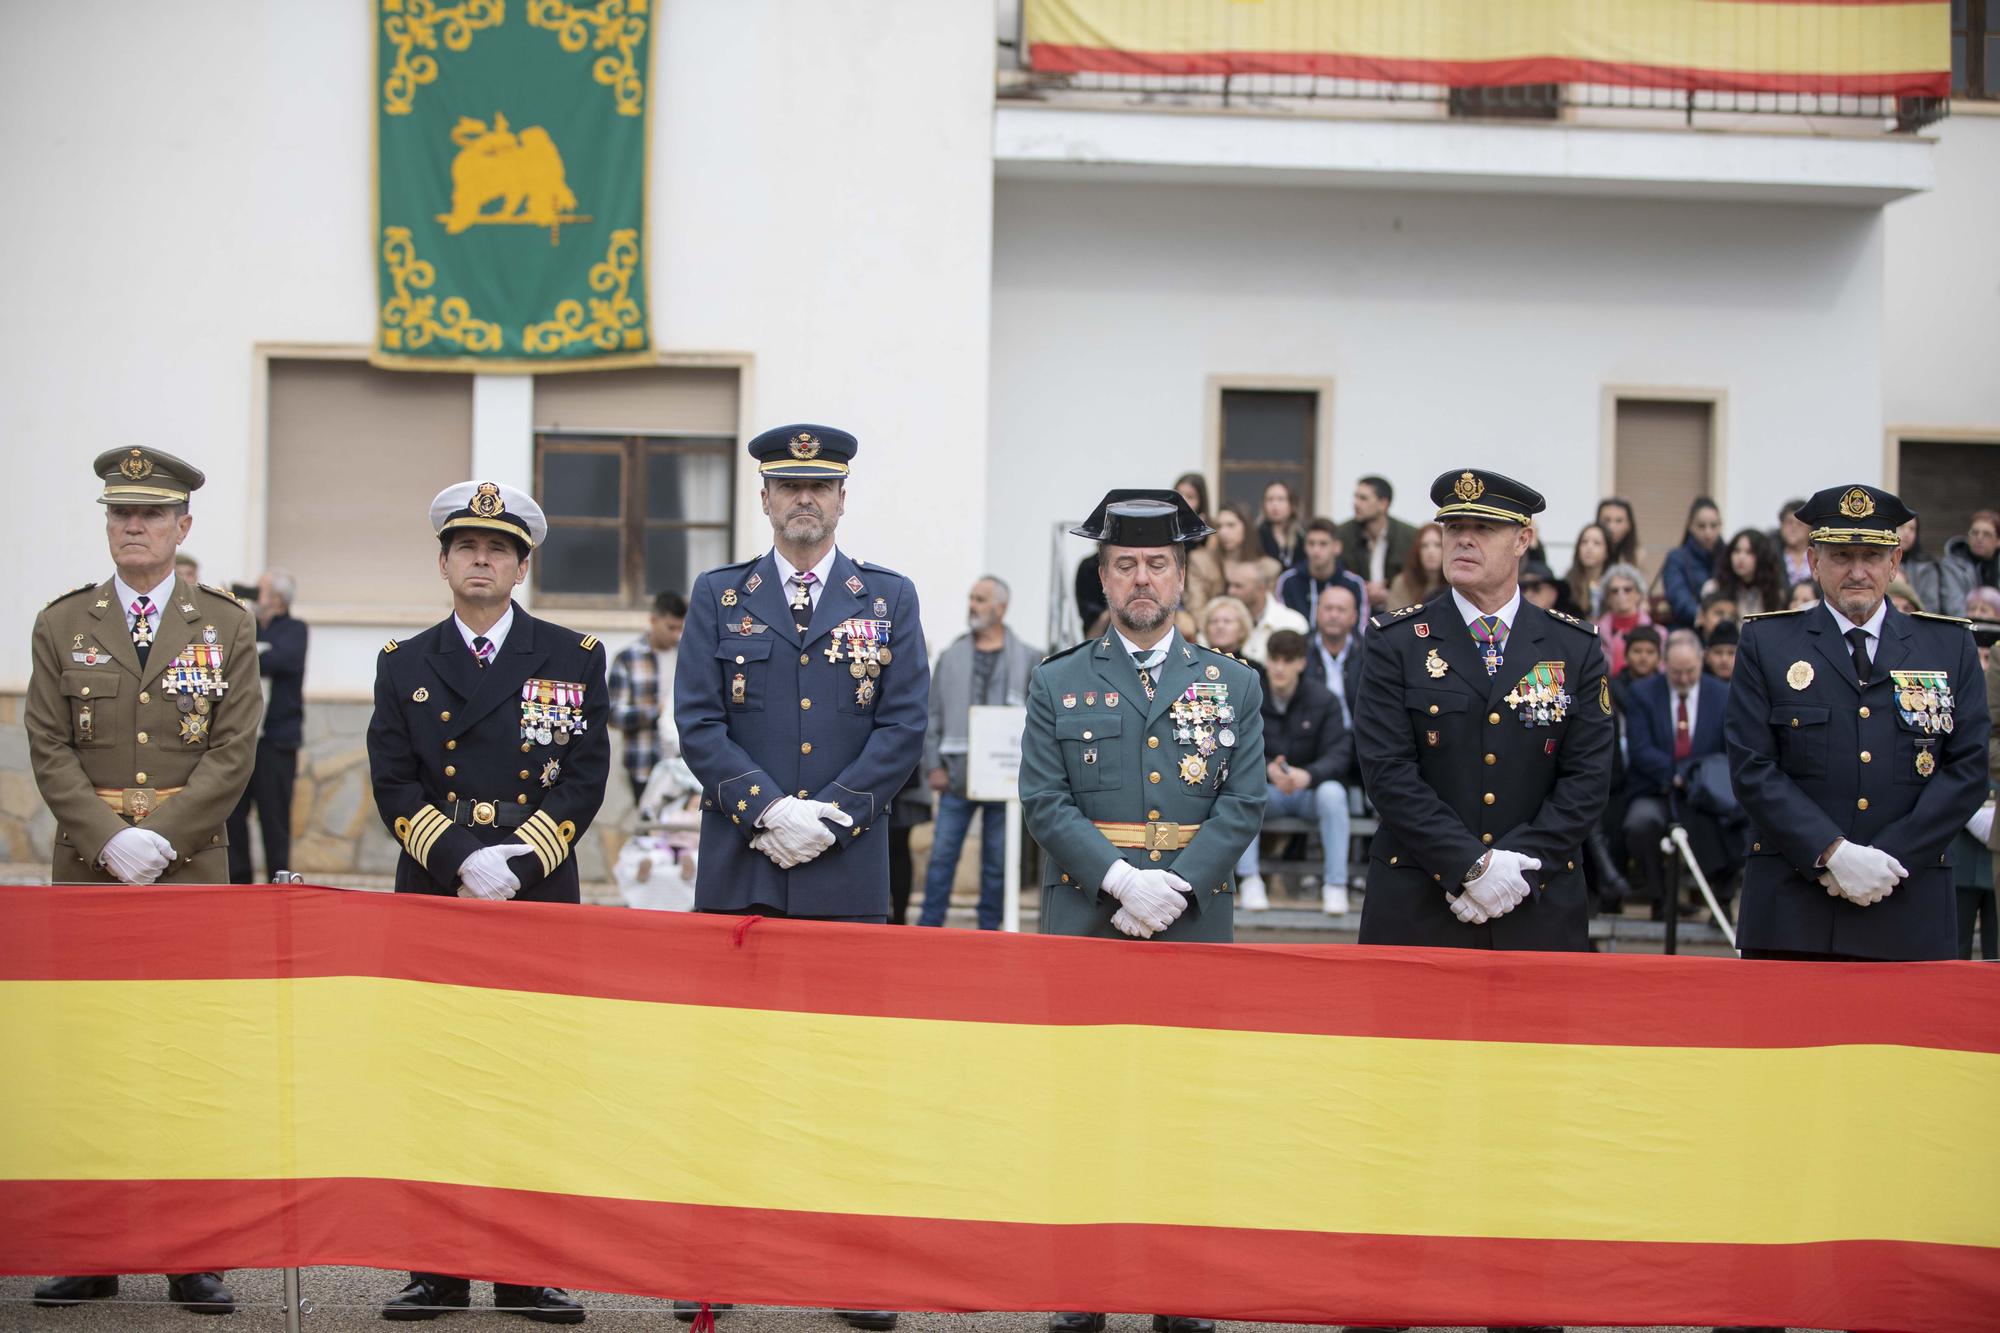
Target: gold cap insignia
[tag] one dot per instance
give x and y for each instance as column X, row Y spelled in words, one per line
column 1468, row 487
column 805, row 445
column 486, row 501
column 1857, row 503
column 136, row 465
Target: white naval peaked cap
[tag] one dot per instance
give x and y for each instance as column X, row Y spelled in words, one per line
column 491, row 505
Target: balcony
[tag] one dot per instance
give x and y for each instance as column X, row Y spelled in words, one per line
column 1731, row 99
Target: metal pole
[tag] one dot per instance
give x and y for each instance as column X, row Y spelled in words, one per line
column 291, row 1300
column 1680, row 841
column 1010, row 910
column 1673, row 891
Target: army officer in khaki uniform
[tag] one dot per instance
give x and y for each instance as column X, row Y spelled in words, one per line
column 142, row 718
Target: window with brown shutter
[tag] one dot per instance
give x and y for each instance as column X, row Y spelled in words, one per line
column 1663, row 457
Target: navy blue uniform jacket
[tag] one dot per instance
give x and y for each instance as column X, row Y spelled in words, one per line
column 1816, row 756
column 446, row 737
column 802, row 726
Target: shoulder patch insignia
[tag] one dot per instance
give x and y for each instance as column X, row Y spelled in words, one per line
column 1949, row 620
column 1788, row 611
column 1569, row 619
column 1065, row 652
column 220, row 592
column 1604, row 694
column 589, row 642
column 390, row 646
column 71, row 593
column 1388, row 618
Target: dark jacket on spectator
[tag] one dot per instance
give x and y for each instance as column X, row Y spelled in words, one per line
column 1649, row 731
column 1960, row 572
column 1309, row 733
column 1350, row 684
column 283, row 668
column 1688, row 566
column 1354, row 548
column 1285, row 556
column 1298, row 589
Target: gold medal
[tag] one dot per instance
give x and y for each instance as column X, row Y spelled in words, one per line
column 1925, row 764
column 1799, row 674
column 856, row 670
column 1193, row 769
column 882, row 655
column 1435, row 665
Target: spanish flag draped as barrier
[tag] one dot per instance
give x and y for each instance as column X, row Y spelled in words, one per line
column 1865, row 47
column 852, row 1116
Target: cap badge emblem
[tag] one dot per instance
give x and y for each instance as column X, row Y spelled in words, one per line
column 421, row 695
column 729, row 596
column 1857, row 503
column 136, row 465
column 486, row 501
column 1468, row 487
column 805, row 445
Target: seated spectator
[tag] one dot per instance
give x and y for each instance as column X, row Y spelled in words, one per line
column 1235, row 540
column 1674, row 723
column 1642, row 659
column 1805, row 595
column 1793, row 538
column 1624, row 611
column 1376, row 545
column 1538, row 584
column 1334, row 659
column 1903, row 597
column 1306, row 749
column 1250, row 584
column 1093, row 608
column 1278, row 530
column 1204, row 569
column 1621, row 532
column 1983, row 604
column 1716, row 607
column 1970, row 561
column 1919, row 570
column 1583, row 591
column 1718, row 655
column 1300, row 586
column 1225, row 625
column 1749, row 573
column 1422, row 575
column 1691, row 564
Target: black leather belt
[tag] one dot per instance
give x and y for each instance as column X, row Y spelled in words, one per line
column 489, row 814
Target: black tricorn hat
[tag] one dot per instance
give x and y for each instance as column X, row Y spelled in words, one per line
column 1143, row 518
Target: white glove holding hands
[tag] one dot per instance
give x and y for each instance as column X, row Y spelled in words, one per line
column 1862, row 875
column 1501, row 887
column 1149, row 898
column 793, row 832
column 484, row 874
column 1980, row 825
column 136, row 856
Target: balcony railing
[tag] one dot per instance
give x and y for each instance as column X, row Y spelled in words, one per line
column 1887, row 60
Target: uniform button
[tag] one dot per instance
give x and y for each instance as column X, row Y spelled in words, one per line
column 1867, row 758
column 86, row 691
column 1152, row 742
column 802, row 794
column 1492, row 758
column 141, row 778
column 739, row 659
column 1438, row 878
column 1864, row 710
column 444, row 716
column 522, row 799
column 1065, row 879
column 1492, row 719
column 1486, row 837
column 1756, row 846
column 805, row 659
column 1861, row 804
column 1570, row 864
column 736, row 819
column 451, row 796
column 1392, row 860
column 805, row 747
column 144, row 697
column 214, row 839
column 1152, row 777
column 1489, row 798
column 1795, row 722
column 1434, row 710
column 142, row 738
column 805, row 703
column 1152, row 814
column 450, row 771
column 1153, row 856
column 451, row 745
column 1087, row 736
column 524, row 774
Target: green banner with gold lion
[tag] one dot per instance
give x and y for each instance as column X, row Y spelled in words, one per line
column 510, row 192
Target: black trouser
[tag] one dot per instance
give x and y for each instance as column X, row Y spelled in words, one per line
column 270, row 790
column 1975, row 922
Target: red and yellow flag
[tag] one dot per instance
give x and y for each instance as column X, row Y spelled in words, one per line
column 1867, row 47
column 858, row 1117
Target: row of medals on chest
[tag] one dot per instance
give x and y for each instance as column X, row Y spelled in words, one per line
column 192, row 679
column 1201, row 718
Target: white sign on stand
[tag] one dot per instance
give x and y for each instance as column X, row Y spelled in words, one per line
column 993, row 773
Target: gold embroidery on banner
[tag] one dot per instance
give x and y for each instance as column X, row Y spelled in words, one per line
column 410, row 24
column 522, row 172
column 619, row 24
column 410, row 321
column 614, row 318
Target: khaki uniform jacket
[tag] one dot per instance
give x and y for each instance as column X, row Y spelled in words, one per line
column 96, row 721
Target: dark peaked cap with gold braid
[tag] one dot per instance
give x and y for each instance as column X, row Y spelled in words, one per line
column 1473, row 493
column 1854, row 516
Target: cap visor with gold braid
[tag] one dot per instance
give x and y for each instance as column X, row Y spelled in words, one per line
column 489, row 506
column 138, row 476
column 804, row 452
column 1475, row 493
column 1854, row 516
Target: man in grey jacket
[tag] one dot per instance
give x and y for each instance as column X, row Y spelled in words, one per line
column 985, row 665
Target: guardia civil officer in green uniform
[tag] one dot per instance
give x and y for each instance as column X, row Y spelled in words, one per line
column 142, row 717
column 1484, row 728
column 1857, row 743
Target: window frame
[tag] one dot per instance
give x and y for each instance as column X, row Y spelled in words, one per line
column 1318, row 472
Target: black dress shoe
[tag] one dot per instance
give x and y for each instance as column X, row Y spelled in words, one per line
column 428, row 1297
column 544, row 1305
column 58, row 1291
column 876, row 1319
column 1070, row 1321
column 1182, row 1323
column 688, row 1311
column 202, row 1293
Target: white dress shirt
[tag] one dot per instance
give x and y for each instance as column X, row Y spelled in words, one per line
column 1873, row 629
column 127, row 594
column 495, row 636
column 819, row 573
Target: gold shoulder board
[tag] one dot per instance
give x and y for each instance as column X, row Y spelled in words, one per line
column 1766, row 615
column 223, row 593
column 389, row 647
column 1934, row 615
column 589, row 642
column 71, row 593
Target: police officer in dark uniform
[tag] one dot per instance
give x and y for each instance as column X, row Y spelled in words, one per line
column 801, row 698
column 1485, row 732
column 488, row 754
column 1857, row 740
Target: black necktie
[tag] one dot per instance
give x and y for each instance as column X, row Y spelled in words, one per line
column 482, row 650
column 1859, row 639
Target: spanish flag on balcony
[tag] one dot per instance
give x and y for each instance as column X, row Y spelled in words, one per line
column 1865, row 47
column 864, row 1117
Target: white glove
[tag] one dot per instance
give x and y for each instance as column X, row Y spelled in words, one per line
column 1152, row 897
column 794, row 832
column 136, row 855
column 1503, row 885
column 1122, row 919
column 1862, row 875
column 1980, row 825
column 1466, row 910
column 484, row 874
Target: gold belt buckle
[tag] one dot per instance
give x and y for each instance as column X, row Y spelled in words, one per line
column 138, row 802
column 484, row 812
column 1163, row 837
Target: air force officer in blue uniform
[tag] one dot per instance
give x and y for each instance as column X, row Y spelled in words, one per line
column 802, row 696
column 1857, row 740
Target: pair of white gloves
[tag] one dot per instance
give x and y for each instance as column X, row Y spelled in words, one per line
column 485, row 874
column 795, row 830
column 1148, row 900
column 1496, row 890
column 1862, row 875
column 136, row 856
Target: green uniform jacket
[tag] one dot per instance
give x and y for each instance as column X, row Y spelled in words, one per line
column 1096, row 749
column 96, row 720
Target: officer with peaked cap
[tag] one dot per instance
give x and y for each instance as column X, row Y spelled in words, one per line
column 488, row 755
column 801, row 698
column 1484, row 728
column 1857, row 740
column 1142, row 764
column 142, row 716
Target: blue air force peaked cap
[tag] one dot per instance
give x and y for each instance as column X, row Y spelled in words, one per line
column 804, row 452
